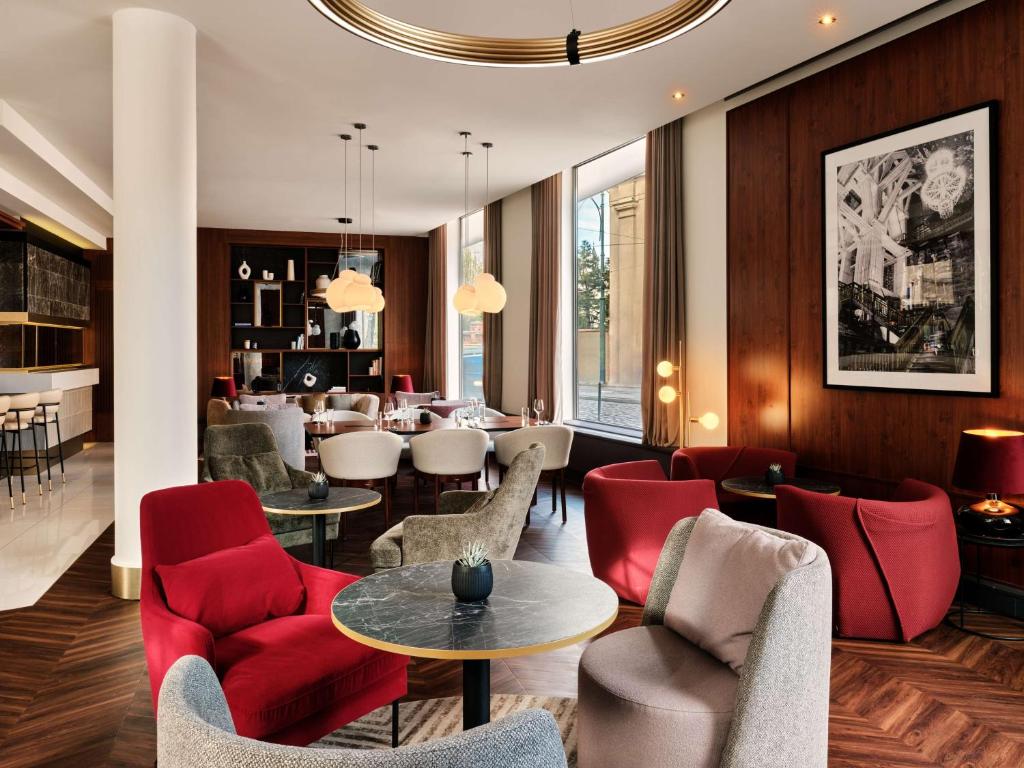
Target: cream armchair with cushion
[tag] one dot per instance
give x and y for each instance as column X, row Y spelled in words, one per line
column 493, row 518
column 285, row 423
column 731, row 666
column 363, row 402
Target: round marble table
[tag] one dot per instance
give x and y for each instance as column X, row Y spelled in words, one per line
column 755, row 486
column 338, row 501
column 534, row 608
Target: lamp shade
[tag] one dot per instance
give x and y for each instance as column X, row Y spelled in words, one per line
column 223, row 386
column 990, row 461
column 401, row 382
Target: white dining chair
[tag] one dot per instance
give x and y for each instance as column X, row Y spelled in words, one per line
column 489, row 413
column 447, row 456
column 557, row 442
column 364, row 459
column 353, row 416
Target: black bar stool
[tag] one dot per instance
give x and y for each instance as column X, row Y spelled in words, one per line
column 48, row 412
column 5, row 458
column 20, row 418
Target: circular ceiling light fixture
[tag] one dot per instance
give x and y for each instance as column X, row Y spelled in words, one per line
column 575, row 48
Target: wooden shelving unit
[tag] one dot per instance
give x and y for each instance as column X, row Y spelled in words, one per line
column 273, row 326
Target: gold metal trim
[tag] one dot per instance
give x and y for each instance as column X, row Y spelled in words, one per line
column 332, row 511
column 628, row 37
column 125, row 582
column 499, row 653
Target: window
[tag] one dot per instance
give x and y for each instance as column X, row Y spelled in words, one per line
column 471, row 327
column 608, row 225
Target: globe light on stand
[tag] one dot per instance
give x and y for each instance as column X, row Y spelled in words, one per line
column 665, row 369
column 667, row 394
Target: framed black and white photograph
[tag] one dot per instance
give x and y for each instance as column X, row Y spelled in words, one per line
column 909, row 250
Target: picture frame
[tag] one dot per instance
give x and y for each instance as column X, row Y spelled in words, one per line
column 909, row 255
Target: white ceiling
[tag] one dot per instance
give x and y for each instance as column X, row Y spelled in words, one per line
column 277, row 82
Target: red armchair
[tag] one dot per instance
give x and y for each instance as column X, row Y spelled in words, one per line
column 630, row 509
column 895, row 563
column 721, row 462
column 289, row 680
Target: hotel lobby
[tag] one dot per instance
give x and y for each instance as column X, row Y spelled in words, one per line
column 573, row 385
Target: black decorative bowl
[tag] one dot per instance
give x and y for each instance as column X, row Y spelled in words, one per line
column 472, row 584
column 774, row 478
column 319, row 491
column 424, row 417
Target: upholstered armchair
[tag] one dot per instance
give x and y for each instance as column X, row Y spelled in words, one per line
column 215, row 584
column 249, row 452
column 718, row 463
column 195, row 730
column 285, row 423
column 895, row 562
column 493, row 518
column 750, row 689
column 629, row 510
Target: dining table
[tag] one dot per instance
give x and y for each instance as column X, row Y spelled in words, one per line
column 325, row 429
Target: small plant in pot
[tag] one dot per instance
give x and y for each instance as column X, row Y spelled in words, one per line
column 318, row 487
column 472, row 577
column 774, row 475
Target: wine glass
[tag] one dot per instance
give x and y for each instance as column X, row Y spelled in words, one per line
column 389, row 411
column 538, row 408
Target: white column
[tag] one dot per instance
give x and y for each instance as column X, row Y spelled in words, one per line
column 155, row 428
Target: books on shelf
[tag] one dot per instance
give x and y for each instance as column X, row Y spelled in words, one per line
column 377, row 366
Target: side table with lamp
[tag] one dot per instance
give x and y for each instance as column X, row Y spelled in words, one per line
column 989, row 461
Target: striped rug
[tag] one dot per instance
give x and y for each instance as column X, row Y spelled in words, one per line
column 430, row 719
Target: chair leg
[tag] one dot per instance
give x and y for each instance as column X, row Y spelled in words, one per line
column 394, row 724
column 554, row 492
column 21, row 463
column 46, row 451
column 7, row 464
column 487, row 470
column 60, row 447
column 561, row 487
column 476, row 484
column 415, row 494
column 35, row 455
column 437, row 493
column 387, row 503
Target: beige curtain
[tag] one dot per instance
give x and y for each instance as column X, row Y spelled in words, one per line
column 434, row 358
column 663, row 283
column 492, row 321
column 547, row 225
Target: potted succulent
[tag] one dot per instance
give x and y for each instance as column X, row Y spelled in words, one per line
column 318, row 487
column 774, row 476
column 472, row 577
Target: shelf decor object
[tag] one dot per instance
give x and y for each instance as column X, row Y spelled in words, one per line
column 574, row 48
column 991, row 461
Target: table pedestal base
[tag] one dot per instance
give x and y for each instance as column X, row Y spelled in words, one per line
column 319, row 541
column 476, row 693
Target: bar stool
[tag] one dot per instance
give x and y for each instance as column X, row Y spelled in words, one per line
column 48, row 412
column 5, row 458
column 19, row 418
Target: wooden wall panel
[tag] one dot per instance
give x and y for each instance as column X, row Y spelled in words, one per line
column 98, row 342
column 869, row 439
column 758, row 159
column 405, row 291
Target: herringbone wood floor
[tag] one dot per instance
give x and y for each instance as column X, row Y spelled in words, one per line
column 73, row 686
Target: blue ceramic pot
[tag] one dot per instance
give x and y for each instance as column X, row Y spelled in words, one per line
column 319, row 491
column 471, row 585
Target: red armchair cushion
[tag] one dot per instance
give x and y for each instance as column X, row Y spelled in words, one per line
column 234, row 588
column 285, row 670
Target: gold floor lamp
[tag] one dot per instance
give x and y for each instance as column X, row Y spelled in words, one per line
column 669, row 394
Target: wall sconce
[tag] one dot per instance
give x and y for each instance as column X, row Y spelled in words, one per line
column 669, row 394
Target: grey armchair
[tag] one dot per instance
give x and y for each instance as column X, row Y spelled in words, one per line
column 195, row 730
column 249, row 452
column 494, row 518
column 649, row 686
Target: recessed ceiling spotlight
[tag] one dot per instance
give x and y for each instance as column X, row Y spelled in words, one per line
column 827, row 20
column 678, row 95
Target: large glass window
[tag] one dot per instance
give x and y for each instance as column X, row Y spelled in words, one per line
column 609, row 274
column 471, row 327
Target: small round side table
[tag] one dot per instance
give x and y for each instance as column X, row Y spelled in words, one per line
column 965, row 536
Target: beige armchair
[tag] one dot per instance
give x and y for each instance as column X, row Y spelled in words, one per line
column 493, row 518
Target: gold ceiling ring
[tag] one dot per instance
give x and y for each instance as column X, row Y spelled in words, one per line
column 631, row 36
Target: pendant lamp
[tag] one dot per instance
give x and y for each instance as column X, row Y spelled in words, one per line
column 485, row 293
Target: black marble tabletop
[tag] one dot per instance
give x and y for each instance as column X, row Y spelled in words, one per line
column 755, row 486
column 297, row 501
column 534, row 608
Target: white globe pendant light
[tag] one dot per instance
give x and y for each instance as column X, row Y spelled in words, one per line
column 485, row 294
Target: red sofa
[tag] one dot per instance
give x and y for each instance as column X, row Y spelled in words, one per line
column 629, row 510
column 289, row 680
column 718, row 463
column 895, row 563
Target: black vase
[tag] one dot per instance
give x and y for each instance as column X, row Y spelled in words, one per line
column 472, row 584
column 319, row 491
column 774, row 477
column 424, row 417
column 335, row 340
column 350, row 339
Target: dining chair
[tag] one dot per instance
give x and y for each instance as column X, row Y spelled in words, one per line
column 47, row 413
column 488, row 413
column 5, row 458
column 557, row 442
column 447, row 456
column 20, row 413
column 355, row 416
column 365, row 459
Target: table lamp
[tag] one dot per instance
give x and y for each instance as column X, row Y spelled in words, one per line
column 991, row 461
column 223, row 387
column 401, row 382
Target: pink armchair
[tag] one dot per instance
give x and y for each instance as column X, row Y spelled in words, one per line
column 630, row 509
